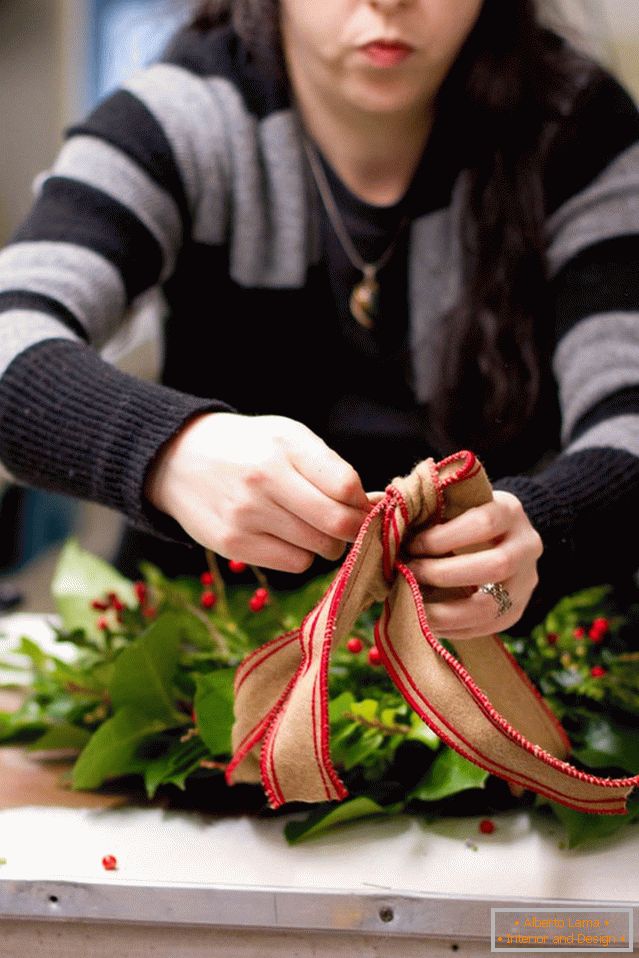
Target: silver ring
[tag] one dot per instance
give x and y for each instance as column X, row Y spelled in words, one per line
column 499, row 594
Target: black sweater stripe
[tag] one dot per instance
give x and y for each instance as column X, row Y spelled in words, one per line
column 126, row 123
column 221, row 52
column 625, row 402
column 601, row 279
column 106, row 226
column 603, row 125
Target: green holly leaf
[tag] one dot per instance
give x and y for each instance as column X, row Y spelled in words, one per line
column 448, row 774
column 80, row 577
column 64, row 735
column 608, row 744
column 175, row 765
column 583, row 828
column 112, row 750
column 329, row 816
column 420, row 732
column 214, row 709
column 143, row 673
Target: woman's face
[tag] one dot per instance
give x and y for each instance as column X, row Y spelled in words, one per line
column 325, row 42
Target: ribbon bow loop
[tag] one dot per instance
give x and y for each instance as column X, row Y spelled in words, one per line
column 475, row 703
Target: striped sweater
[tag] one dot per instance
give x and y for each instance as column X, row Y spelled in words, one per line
column 191, row 178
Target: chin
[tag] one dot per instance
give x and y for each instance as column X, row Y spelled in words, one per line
column 384, row 101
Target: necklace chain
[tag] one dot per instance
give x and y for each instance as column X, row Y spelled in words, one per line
column 369, row 269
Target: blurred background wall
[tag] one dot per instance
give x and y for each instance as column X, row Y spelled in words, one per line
column 57, row 59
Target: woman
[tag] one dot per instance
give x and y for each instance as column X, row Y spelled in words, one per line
column 384, row 230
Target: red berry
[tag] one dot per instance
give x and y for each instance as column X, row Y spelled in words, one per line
column 208, row 599
column 109, row 862
column 236, row 566
column 598, row 629
column 193, row 717
column 354, row 645
column 99, row 606
column 597, row 671
column 112, row 596
column 206, row 578
column 140, row 592
column 262, row 593
column 551, row 638
column 579, row 632
column 374, row 656
column 150, row 612
column 486, row 826
column 255, row 603
column 117, row 605
column 103, row 623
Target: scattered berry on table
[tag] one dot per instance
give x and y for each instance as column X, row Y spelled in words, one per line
column 486, row 826
column 109, row 862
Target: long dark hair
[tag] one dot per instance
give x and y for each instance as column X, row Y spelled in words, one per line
column 510, row 85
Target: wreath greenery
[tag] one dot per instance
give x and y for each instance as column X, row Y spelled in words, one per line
column 148, row 693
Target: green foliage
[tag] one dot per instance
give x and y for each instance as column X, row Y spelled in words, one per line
column 328, row 816
column 214, row 710
column 80, row 576
column 151, row 695
column 449, row 774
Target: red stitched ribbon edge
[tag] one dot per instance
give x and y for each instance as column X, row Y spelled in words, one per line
column 309, row 644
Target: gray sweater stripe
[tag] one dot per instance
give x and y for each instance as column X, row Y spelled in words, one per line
column 599, row 356
column 90, row 160
column 620, row 432
column 184, row 107
column 609, row 207
column 86, row 283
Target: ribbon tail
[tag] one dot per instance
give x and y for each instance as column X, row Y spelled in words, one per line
column 263, row 681
column 295, row 759
column 430, row 678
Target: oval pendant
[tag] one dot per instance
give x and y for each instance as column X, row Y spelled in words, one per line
column 364, row 302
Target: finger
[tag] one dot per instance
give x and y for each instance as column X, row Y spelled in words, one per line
column 268, row 552
column 331, row 474
column 476, row 568
column 290, row 527
column 478, row 614
column 465, row 618
column 319, row 511
column 475, row 526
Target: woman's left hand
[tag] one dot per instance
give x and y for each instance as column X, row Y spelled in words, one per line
column 509, row 548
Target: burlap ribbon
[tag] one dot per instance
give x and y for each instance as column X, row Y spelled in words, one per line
column 484, row 706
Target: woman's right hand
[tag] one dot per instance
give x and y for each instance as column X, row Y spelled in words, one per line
column 264, row 490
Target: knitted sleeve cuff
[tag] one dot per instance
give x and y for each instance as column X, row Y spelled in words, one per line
column 72, row 423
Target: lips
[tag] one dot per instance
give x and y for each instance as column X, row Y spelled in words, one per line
column 386, row 52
